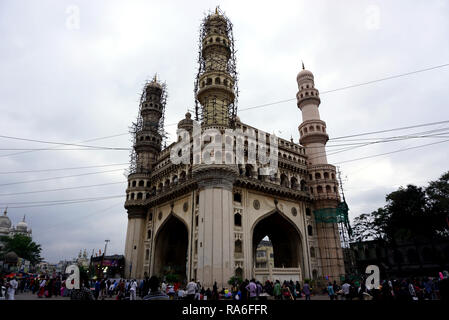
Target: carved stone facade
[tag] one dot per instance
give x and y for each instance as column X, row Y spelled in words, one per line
column 205, row 221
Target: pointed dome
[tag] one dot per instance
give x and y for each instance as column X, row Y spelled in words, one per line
column 22, row 225
column 5, row 222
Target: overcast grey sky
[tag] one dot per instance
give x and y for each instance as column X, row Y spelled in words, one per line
column 73, row 70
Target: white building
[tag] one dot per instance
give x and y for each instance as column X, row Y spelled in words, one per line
column 7, row 229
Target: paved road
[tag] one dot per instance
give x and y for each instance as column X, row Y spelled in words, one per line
column 30, row 296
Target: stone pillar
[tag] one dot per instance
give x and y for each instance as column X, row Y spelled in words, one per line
column 134, row 246
column 215, row 230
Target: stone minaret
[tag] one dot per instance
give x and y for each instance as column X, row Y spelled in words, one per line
column 216, row 84
column 215, row 93
column 322, row 176
column 147, row 145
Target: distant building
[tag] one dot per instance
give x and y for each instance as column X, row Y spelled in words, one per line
column 8, row 230
column 110, row 266
column 406, row 259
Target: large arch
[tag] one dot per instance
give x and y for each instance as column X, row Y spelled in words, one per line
column 171, row 245
column 285, row 238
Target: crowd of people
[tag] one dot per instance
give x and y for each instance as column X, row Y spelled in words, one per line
column 247, row 290
column 393, row 289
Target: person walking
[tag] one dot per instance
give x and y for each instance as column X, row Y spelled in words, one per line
column 252, row 289
column 277, row 290
column 330, row 291
column 155, row 294
column 346, row 287
column 306, row 290
column 132, row 289
column 12, row 287
column 191, row 290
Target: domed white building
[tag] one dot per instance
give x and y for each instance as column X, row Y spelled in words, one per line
column 7, row 229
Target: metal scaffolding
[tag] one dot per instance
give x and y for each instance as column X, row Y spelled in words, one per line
column 220, row 109
column 142, row 125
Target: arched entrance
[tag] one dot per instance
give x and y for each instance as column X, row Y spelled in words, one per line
column 287, row 258
column 170, row 256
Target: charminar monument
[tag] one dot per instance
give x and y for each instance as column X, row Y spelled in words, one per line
column 199, row 207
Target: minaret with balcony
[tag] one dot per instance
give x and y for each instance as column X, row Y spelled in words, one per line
column 147, row 146
column 323, row 183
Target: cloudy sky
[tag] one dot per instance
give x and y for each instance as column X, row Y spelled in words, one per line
column 72, row 71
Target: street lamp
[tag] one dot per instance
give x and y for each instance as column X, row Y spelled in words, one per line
column 102, row 259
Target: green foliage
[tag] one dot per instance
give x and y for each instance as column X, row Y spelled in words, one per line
column 235, row 279
column 23, row 246
column 411, row 212
column 172, row 277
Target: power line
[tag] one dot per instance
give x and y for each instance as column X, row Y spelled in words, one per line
column 64, row 203
column 55, row 143
column 350, row 86
column 60, row 201
column 391, row 152
column 63, row 169
column 88, row 140
column 394, row 129
column 60, row 189
column 67, row 149
column 60, row 177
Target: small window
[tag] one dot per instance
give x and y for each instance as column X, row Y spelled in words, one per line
column 309, row 230
column 237, row 220
column 238, row 246
column 237, row 197
column 308, row 212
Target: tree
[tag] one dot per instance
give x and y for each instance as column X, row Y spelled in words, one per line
column 438, row 204
column 411, row 213
column 23, row 246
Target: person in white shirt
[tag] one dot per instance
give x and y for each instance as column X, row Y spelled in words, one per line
column 191, row 290
column 164, row 287
column 132, row 289
column 13, row 284
column 346, row 289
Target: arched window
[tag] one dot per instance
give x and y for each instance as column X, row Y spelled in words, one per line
column 328, row 189
column 237, row 220
column 317, row 176
column 217, row 80
column 303, row 185
column 149, row 234
column 319, row 189
column 294, row 183
column 209, row 81
column 175, row 179
column 312, row 252
column 237, row 197
column 309, row 230
column 141, row 183
column 132, row 196
column 308, row 212
column 182, row 176
column 139, row 196
column 167, row 183
column 249, row 171
column 239, row 273
column 134, row 183
column 326, row 175
column 238, row 246
column 333, row 176
column 148, row 184
column 284, row 180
